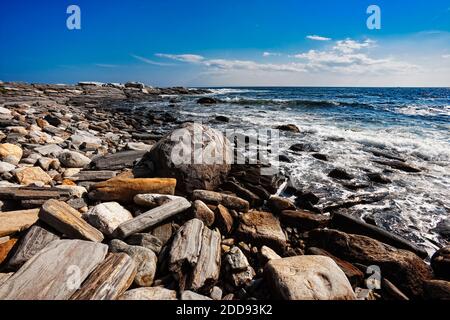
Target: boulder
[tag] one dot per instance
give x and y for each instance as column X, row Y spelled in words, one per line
column 307, row 278
column 173, row 156
column 108, row 216
column 10, row 153
column 29, row 175
column 404, row 268
column 288, row 127
column 261, row 228
column 304, row 220
column 437, row 290
column 206, row 100
column 440, row 262
column 72, row 159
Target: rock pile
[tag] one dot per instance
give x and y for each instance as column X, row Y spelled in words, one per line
column 93, row 208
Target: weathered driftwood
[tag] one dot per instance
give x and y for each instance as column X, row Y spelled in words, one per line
column 123, row 189
column 347, row 223
column 15, row 221
column 185, row 249
column 67, row 220
column 231, row 202
column 117, row 161
column 109, row 280
column 34, row 241
column 93, row 175
column 151, row 218
column 206, row 271
column 55, row 272
column 36, row 193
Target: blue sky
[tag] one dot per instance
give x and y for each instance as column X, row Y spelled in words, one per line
column 225, row 43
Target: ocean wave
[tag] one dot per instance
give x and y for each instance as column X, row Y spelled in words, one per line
column 229, row 91
column 424, row 111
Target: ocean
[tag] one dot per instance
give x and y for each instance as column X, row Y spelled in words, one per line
column 347, row 125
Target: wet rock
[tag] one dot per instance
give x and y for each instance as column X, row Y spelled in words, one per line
column 122, row 189
column 437, row 290
column 399, row 165
column 378, row 178
column 443, row 228
column 304, row 220
column 307, row 278
column 288, row 127
column 152, row 293
column 31, row 243
column 284, row 158
column 279, row 204
column 203, row 213
column 216, row 198
column 440, row 262
column 109, row 280
column 303, row 147
column 68, row 221
column 213, row 148
column 108, row 216
column 206, row 100
column 405, row 269
column 340, row 174
column 222, row 118
column 72, row 159
column 145, row 260
column 45, row 275
column 320, row 156
column 16, row 221
column 10, row 153
column 261, row 228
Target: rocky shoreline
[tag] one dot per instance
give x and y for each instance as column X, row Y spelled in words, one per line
column 91, row 202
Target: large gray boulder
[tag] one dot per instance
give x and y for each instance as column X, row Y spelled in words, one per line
column 197, row 156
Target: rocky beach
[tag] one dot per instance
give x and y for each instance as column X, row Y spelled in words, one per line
column 93, row 207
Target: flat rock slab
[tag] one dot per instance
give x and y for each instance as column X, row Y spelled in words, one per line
column 304, row 220
column 262, row 228
column 122, row 189
column 216, row 198
column 109, row 280
column 151, row 293
column 68, row 221
column 47, row 276
column 307, row 278
column 404, row 268
column 151, row 217
column 34, row 193
column 16, row 221
column 93, row 175
column 34, row 241
column 118, row 161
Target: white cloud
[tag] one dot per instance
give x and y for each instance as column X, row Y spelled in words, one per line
column 193, row 58
column 446, row 56
column 317, row 38
column 269, row 54
column 105, row 65
column 149, row 61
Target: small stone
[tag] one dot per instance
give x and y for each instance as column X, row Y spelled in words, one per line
column 6, row 167
column 108, row 216
column 288, row 127
column 307, row 278
column 152, row 293
column 236, row 260
column 190, row 295
column 138, row 146
column 72, row 159
column 340, row 174
column 202, row 212
column 144, row 258
column 152, row 199
column 279, row 204
column 145, row 240
column 29, row 175
column 74, row 190
column 10, row 153
column 216, row 293
column 69, row 172
column 49, row 150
